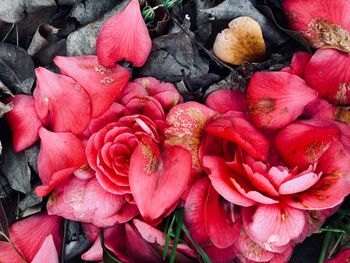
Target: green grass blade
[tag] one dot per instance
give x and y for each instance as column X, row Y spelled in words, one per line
column 179, row 217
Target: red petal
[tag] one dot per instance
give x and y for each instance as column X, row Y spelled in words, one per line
column 333, row 186
column 222, row 230
column 8, row 254
column 60, row 155
column 306, row 143
column 277, row 98
column 274, row 225
column 303, row 16
column 298, row 63
column 124, row 37
column 194, row 215
column 343, row 256
column 44, row 225
column 218, row 255
column 47, row 253
column 221, row 178
column 226, row 100
column 24, row 122
column 328, row 73
column 87, row 201
column 154, row 179
column 186, row 122
column 101, row 84
column 238, row 130
column 63, row 112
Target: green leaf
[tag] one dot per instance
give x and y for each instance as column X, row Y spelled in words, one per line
column 167, row 233
column 108, row 256
column 329, row 236
column 179, row 216
column 204, row 256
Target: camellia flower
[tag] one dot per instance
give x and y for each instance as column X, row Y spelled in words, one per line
column 266, row 195
column 41, row 245
column 124, row 36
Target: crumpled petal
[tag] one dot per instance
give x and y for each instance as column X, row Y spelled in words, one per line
column 87, row 201
column 298, row 63
column 124, row 37
column 60, row 155
column 277, row 98
column 154, row 177
column 101, row 84
column 61, row 102
column 24, row 122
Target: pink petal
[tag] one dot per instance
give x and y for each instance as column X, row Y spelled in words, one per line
column 275, row 225
column 333, row 186
column 44, row 225
column 61, row 102
column 221, row 177
column 328, row 73
column 60, row 155
column 298, row 63
column 186, row 122
column 47, row 253
column 277, row 98
column 218, row 255
column 238, row 130
column 124, row 37
column 101, row 84
column 153, row 176
column 24, row 122
column 307, row 16
column 223, row 101
column 86, row 201
column 95, row 253
column 299, row 183
column 306, row 143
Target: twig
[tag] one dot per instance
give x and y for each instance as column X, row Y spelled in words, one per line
column 8, row 32
column 210, row 54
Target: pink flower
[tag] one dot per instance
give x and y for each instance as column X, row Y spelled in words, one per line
column 45, row 242
column 124, row 37
column 109, row 134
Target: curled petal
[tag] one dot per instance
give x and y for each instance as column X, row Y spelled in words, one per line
column 234, row 128
column 328, row 73
column 24, row 122
column 119, row 39
column 221, row 178
column 61, row 154
column 223, row 101
column 154, row 177
column 306, row 143
column 101, row 84
column 63, row 112
column 277, row 98
column 87, row 201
